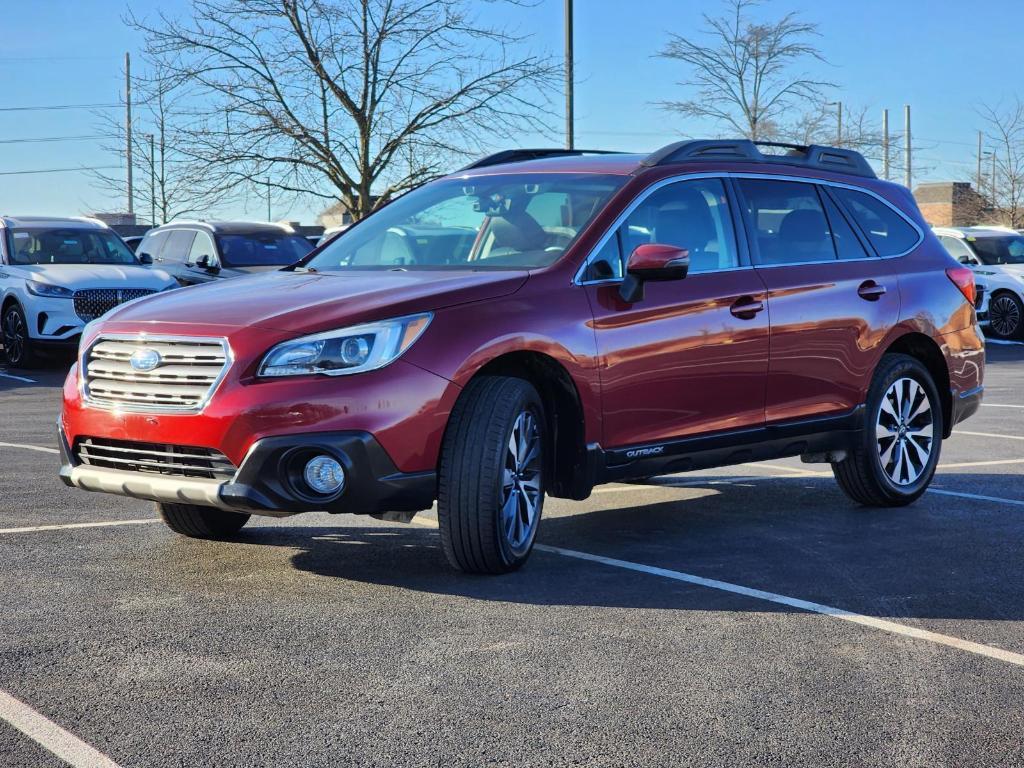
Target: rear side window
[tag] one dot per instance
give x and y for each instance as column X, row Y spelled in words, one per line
column 848, row 245
column 788, row 221
column 889, row 233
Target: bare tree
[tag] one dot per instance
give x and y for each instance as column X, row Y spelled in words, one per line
column 357, row 100
column 744, row 74
column 169, row 183
column 1004, row 133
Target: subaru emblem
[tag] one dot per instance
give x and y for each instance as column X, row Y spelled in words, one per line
column 144, row 360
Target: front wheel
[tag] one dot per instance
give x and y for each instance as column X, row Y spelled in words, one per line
column 491, row 479
column 1005, row 316
column 18, row 346
column 895, row 458
column 199, row 522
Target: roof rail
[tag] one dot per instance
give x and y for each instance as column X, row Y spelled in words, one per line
column 744, row 150
column 518, row 155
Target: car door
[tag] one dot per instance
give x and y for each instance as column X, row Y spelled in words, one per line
column 832, row 300
column 691, row 357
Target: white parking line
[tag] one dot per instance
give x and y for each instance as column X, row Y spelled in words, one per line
column 107, row 524
column 1001, row 405
column 987, row 434
column 826, row 610
column 892, row 627
column 39, row 448
column 17, row 378
column 47, row 734
column 977, row 497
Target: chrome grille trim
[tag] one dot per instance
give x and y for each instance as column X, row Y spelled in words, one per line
column 189, row 372
column 91, row 303
column 155, row 458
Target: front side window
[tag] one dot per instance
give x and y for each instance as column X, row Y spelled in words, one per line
column 179, row 242
column 152, row 244
column 262, row 249
column 41, row 245
column 788, row 221
column 957, row 249
column 514, row 221
column 999, row 250
column 202, row 246
column 889, row 233
column 689, row 214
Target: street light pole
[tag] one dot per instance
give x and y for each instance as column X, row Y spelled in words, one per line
column 570, row 133
column 268, row 199
column 152, row 178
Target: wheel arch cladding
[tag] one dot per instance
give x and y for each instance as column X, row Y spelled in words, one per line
column 924, row 349
column 564, row 415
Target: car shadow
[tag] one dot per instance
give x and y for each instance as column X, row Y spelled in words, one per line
column 940, row 558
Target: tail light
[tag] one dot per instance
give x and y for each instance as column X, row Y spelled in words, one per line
column 963, row 278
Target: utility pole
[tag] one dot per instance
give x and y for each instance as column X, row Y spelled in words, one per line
column 128, row 129
column 977, row 175
column 993, row 180
column 152, row 178
column 885, row 144
column 839, row 124
column 570, row 133
column 907, row 148
column 268, row 199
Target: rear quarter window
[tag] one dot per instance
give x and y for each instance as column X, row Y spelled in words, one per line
column 888, row 232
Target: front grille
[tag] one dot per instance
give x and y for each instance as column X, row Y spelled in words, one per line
column 155, row 458
column 96, row 302
column 183, row 378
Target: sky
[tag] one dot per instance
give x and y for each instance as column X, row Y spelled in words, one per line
column 943, row 57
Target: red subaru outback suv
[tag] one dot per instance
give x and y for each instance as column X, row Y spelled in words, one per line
column 536, row 324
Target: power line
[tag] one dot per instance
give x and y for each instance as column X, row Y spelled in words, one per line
column 59, row 106
column 47, row 139
column 61, row 170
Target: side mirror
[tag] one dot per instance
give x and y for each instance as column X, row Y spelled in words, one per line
column 966, row 260
column 205, row 262
column 652, row 262
column 145, row 258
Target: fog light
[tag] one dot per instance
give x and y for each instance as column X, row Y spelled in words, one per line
column 324, row 475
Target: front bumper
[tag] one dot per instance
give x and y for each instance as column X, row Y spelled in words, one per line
column 266, row 483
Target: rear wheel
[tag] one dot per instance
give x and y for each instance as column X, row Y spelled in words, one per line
column 895, row 458
column 1006, row 316
column 491, row 479
column 18, row 346
column 201, row 522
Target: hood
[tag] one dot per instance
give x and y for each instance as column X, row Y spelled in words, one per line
column 304, row 302
column 81, row 276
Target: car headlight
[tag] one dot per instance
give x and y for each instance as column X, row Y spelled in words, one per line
column 49, row 291
column 345, row 351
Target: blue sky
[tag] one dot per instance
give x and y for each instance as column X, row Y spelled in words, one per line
column 933, row 54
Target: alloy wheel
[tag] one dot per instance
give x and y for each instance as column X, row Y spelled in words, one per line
column 14, row 336
column 905, row 431
column 1004, row 316
column 521, row 482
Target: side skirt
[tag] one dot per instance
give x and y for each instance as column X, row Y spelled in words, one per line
column 774, row 441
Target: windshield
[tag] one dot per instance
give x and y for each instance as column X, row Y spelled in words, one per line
column 999, row 250
column 265, row 249
column 520, row 221
column 44, row 245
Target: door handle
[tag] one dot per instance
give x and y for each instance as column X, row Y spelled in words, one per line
column 746, row 307
column 871, row 291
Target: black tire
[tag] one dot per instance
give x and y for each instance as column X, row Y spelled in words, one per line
column 473, row 498
column 18, row 347
column 861, row 474
column 201, row 522
column 1006, row 316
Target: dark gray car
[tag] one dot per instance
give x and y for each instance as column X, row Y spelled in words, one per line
column 199, row 252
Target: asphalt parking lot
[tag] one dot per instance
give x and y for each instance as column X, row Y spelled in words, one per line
column 659, row 624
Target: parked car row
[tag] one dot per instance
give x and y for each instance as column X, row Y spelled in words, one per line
column 57, row 275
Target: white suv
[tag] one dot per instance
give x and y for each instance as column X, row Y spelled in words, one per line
column 996, row 254
column 58, row 274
